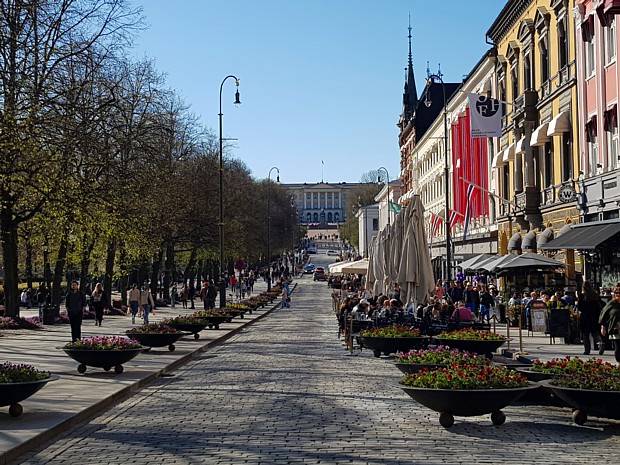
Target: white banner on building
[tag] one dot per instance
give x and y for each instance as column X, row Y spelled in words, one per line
column 486, row 116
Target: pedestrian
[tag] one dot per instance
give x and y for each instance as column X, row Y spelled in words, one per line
column 174, row 295
column 146, row 302
column 589, row 306
column 24, row 298
column 285, row 299
column 462, row 313
column 191, row 294
column 184, row 295
column 75, row 303
column 211, row 294
column 133, row 299
column 610, row 321
column 99, row 299
column 42, row 298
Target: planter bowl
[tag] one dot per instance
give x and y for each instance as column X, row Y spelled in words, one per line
column 536, row 375
column 105, row 359
column 156, row 339
column 12, row 394
column 192, row 328
column 390, row 345
column 467, row 403
column 415, row 367
column 215, row 321
column 485, row 348
column 604, row 404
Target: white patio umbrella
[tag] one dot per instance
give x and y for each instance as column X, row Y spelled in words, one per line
column 415, row 272
column 370, row 277
column 357, row 267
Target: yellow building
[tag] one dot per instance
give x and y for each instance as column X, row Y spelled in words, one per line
column 535, row 168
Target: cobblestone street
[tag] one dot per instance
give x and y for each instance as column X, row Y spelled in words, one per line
column 285, row 391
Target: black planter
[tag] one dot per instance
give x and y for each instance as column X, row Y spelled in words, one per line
column 391, row 345
column 536, row 375
column 214, row 321
column 467, row 403
column 485, row 348
column 156, row 339
column 105, row 359
column 415, row 367
column 12, row 394
column 193, row 328
column 604, row 404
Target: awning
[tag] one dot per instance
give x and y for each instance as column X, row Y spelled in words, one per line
column 529, row 241
column 520, row 147
column 544, row 237
column 498, row 159
column 539, row 136
column 515, row 242
column 472, row 262
column 509, row 153
column 358, row 267
column 559, row 124
column 586, row 236
column 493, row 264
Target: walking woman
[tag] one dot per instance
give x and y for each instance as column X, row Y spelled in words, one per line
column 589, row 307
column 184, row 295
column 134, row 301
column 610, row 321
column 100, row 300
column 147, row 303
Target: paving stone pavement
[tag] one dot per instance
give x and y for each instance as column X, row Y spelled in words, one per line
column 284, row 391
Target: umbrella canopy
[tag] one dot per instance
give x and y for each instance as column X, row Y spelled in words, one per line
column 470, row 264
column 371, row 276
column 334, row 268
column 357, row 267
column 491, row 265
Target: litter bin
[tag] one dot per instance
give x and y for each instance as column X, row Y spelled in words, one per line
column 50, row 312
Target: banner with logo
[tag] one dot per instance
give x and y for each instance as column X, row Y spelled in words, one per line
column 486, row 116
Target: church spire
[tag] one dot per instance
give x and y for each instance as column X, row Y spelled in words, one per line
column 410, row 95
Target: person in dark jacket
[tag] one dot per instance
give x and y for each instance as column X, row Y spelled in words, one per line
column 610, row 321
column 589, row 308
column 75, row 302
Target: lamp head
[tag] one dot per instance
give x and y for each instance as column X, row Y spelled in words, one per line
column 237, row 101
column 428, row 102
column 278, row 177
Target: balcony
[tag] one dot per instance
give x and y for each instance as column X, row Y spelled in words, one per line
column 566, row 77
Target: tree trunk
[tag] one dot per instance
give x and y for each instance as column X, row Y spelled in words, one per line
column 28, row 262
column 109, row 267
column 155, row 272
column 59, row 268
column 187, row 274
column 9, row 253
column 85, row 264
column 123, row 282
column 169, row 277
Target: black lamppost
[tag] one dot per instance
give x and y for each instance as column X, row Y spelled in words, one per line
column 427, row 101
column 387, row 185
column 269, row 225
column 221, row 225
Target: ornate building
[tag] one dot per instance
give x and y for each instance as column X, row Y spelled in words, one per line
column 321, row 203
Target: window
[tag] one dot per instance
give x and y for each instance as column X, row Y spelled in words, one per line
column 562, row 43
column 527, row 72
column 329, row 217
column 547, row 164
column 375, row 224
column 592, row 140
column 567, row 158
column 544, row 59
column 590, row 58
column 610, row 39
column 515, row 82
column 336, row 217
column 316, row 217
column 308, row 218
column 610, row 125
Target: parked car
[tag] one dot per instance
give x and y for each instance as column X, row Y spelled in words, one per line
column 309, row 268
column 312, row 249
column 319, row 275
column 332, row 252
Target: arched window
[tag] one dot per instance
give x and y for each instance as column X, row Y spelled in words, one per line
column 336, row 217
column 329, row 217
column 308, row 218
column 316, row 217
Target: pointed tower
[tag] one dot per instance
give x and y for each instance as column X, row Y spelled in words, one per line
column 410, row 94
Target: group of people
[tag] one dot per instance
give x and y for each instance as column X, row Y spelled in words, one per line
column 76, row 303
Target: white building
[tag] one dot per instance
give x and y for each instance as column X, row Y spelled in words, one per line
column 368, row 226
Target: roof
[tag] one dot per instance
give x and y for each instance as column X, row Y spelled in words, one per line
column 586, row 236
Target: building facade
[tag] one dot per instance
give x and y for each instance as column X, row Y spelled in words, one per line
column 387, row 200
column 321, row 203
column 536, row 161
column 368, row 227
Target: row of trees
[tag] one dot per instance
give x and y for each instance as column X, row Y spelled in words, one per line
column 104, row 170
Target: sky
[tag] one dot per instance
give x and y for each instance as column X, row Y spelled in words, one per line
column 321, row 81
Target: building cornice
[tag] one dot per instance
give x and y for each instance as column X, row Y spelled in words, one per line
column 507, row 18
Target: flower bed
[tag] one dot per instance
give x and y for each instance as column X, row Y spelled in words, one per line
column 16, row 322
column 153, row 328
column 468, row 334
column 590, row 374
column 473, row 376
column 190, row 324
column 21, row 373
column 391, row 331
column 440, row 355
column 103, row 343
column 156, row 335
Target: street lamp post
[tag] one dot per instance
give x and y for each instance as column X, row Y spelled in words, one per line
column 427, row 101
column 221, row 225
column 387, row 185
column 269, row 225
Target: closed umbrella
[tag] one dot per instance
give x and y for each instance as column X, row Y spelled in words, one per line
column 415, row 272
column 370, row 276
